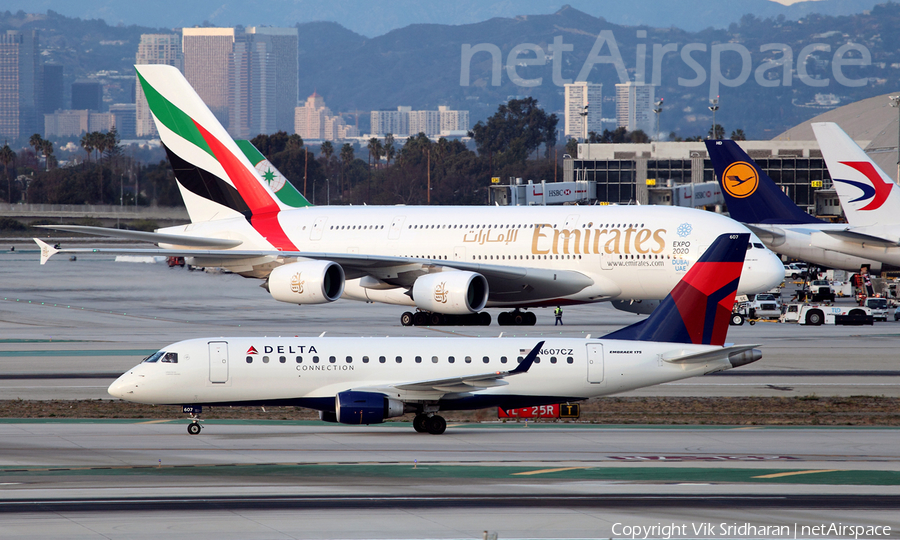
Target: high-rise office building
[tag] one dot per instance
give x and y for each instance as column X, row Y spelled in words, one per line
column 154, row 49
column 427, row 122
column 207, row 55
column 453, row 121
column 581, row 98
column 21, row 95
column 53, row 88
column 634, row 106
column 393, row 122
column 314, row 121
column 282, row 71
column 87, row 95
column 124, row 116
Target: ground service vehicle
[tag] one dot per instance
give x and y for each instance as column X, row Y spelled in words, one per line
column 817, row 314
column 879, row 307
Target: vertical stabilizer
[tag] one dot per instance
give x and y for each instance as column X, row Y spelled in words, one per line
column 698, row 310
column 751, row 196
column 868, row 195
column 276, row 181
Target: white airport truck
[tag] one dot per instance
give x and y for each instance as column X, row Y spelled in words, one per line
column 817, row 314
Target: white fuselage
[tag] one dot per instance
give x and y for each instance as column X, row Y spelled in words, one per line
column 630, row 252
column 312, row 371
column 807, row 242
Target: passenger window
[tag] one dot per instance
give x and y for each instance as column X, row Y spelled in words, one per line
column 570, row 360
column 332, row 359
column 365, row 359
column 170, row 358
column 486, row 359
column 349, row 359
column 382, row 359
column 468, row 359
column 519, row 359
column 552, row 359
column 315, row 359
column 451, row 359
column 502, row 359
column 299, row 359
column 282, row 359
column 249, row 359
column 265, row 359
column 399, row 359
column 154, row 357
column 537, row 359
column 434, row 359
column 418, row 359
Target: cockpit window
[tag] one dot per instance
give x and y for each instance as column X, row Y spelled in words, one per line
column 154, row 357
column 170, row 358
column 757, row 245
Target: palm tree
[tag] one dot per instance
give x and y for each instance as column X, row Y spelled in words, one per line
column 347, row 157
column 87, row 142
column 47, row 150
column 327, row 150
column 389, row 149
column 7, row 156
column 36, row 141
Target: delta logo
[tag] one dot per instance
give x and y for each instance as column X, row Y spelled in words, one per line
column 252, row 350
column 740, row 180
column 878, row 191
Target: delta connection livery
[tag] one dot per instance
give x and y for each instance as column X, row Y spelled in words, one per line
column 367, row 380
column 447, row 262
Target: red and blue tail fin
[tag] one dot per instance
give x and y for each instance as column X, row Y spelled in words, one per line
column 698, row 310
column 751, row 196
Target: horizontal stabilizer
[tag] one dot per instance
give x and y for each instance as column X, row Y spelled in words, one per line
column 686, row 357
column 770, row 235
column 47, row 250
column 156, row 238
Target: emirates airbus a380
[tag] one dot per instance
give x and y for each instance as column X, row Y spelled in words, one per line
column 448, row 262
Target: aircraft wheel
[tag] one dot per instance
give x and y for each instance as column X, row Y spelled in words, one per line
column 503, row 318
column 406, row 319
column 530, row 319
column 814, row 317
column 484, row 318
column 194, row 428
column 419, row 423
column 518, row 318
column 420, row 318
column 436, row 425
column 436, row 319
column 737, row 319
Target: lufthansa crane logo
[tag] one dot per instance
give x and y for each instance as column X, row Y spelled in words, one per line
column 440, row 292
column 297, row 283
column 740, row 180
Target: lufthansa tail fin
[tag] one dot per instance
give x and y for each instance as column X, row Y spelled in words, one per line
column 698, row 310
column 215, row 178
column 868, row 195
column 751, row 196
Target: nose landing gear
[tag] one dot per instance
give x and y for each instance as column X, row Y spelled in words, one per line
column 194, row 411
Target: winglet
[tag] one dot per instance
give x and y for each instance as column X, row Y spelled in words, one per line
column 47, row 250
column 526, row 363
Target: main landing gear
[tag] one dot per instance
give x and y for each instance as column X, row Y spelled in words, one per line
column 433, row 424
column 517, row 318
column 430, row 318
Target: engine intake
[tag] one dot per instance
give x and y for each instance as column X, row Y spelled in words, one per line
column 365, row 407
column 455, row 293
column 307, row 282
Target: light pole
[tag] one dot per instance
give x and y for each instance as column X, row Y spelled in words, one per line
column 714, row 106
column 657, row 110
column 327, row 192
column 584, row 123
column 895, row 102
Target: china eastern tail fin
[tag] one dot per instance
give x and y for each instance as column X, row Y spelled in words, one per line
column 215, row 178
column 868, row 195
column 277, row 182
column 698, row 310
column 751, row 196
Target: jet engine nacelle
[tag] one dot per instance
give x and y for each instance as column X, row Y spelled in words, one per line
column 641, row 307
column 453, row 293
column 307, row 282
column 365, row 407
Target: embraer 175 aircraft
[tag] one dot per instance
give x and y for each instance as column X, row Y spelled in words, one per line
column 755, row 200
column 449, row 262
column 870, row 199
column 367, row 380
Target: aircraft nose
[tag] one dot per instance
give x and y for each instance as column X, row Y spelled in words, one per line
column 763, row 270
column 123, row 387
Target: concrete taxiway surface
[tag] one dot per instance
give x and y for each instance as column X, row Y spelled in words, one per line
column 67, row 328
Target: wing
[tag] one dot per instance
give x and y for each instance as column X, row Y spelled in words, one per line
column 505, row 283
column 140, row 236
column 466, row 383
column 850, row 235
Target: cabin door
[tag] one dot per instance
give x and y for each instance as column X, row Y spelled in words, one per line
column 595, row 363
column 218, row 361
